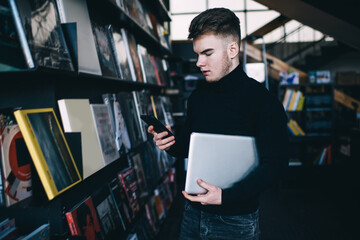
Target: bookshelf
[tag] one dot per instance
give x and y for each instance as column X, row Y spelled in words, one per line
column 42, row 87
column 315, row 117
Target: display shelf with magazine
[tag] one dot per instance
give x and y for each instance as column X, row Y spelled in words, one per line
column 92, row 70
column 310, row 110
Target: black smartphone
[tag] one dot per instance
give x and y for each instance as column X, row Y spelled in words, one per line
column 158, row 126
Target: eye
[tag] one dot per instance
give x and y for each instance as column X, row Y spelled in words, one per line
column 208, row 54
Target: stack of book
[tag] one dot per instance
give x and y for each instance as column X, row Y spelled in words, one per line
column 295, row 128
column 293, row 100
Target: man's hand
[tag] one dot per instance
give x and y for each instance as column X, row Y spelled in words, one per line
column 212, row 197
column 162, row 144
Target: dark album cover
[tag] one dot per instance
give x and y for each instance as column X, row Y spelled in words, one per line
column 119, row 49
column 105, row 53
column 128, row 108
column 83, row 221
column 107, row 213
column 44, row 34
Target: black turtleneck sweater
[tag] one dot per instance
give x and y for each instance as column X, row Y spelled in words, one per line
column 239, row 105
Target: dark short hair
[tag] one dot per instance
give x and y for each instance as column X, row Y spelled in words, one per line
column 219, row 21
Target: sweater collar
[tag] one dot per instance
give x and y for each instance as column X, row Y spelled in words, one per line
column 235, row 78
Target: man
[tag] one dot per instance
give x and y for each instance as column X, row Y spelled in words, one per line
column 229, row 103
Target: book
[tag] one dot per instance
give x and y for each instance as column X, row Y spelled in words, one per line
column 132, row 54
column 129, row 111
column 105, row 132
column 157, row 70
column 121, row 130
column 15, row 51
column 128, row 181
column 287, row 103
column 7, row 223
column 43, row 31
column 107, row 213
column 15, row 165
column 41, row 233
column 146, row 66
column 119, row 49
column 137, row 164
column 77, row 11
column 107, row 61
column 292, row 129
column 286, row 97
column 48, row 149
column 109, row 99
column 297, row 127
column 9, row 233
column 297, row 99
column 139, row 111
column 76, row 116
column 160, row 209
column 83, row 221
column 119, row 199
column 292, row 100
column 124, row 34
column 300, row 105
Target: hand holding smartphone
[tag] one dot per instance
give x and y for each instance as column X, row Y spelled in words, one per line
column 158, row 126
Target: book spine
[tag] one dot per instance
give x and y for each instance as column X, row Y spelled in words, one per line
column 22, row 37
column 70, row 220
column 292, row 129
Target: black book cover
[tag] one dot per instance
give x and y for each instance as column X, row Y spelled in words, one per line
column 44, row 33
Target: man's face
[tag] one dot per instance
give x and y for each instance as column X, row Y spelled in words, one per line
column 214, row 59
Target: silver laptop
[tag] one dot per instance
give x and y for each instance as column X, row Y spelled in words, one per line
column 220, row 160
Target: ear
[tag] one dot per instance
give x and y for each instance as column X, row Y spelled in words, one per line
column 233, row 49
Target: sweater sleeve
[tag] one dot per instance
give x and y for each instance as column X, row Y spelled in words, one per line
column 182, row 140
column 272, row 144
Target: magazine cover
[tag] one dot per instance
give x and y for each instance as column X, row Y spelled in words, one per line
column 134, row 55
column 119, row 49
column 128, row 108
column 107, row 213
column 83, row 221
column 105, row 53
column 147, row 68
column 48, row 149
column 137, row 164
column 12, row 55
column 44, row 34
column 121, row 203
column 129, row 183
column 15, row 165
column 105, row 132
column 122, row 137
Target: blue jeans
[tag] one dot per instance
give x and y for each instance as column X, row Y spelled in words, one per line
column 198, row 224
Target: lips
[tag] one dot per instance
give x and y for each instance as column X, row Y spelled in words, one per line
column 205, row 72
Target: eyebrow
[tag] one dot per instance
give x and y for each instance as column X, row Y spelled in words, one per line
column 206, row 50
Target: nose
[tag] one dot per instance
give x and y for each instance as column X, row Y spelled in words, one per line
column 200, row 62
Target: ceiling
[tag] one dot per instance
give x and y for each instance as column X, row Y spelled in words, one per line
column 338, row 19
